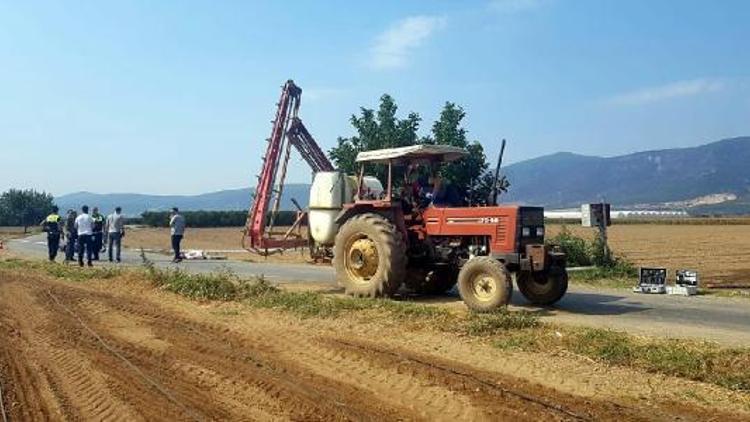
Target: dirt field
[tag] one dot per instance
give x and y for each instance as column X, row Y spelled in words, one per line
column 120, row 350
column 719, row 252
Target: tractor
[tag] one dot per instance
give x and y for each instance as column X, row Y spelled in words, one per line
column 386, row 237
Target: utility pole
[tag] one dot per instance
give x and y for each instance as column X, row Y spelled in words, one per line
column 603, row 233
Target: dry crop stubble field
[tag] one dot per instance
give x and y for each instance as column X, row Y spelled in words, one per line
column 720, row 253
column 209, row 239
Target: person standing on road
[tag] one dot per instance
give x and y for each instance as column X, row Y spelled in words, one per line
column 98, row 233
column 71, row 234
column 177, row 230
column 85, row 228
column 53, row 226
column 115, row 232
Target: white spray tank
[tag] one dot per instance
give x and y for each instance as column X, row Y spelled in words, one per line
column 329, row 192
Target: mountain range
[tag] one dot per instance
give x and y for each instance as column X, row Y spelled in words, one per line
column 711, row 178
column 641, row 179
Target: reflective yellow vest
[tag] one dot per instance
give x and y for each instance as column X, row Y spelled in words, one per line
column 52, row 224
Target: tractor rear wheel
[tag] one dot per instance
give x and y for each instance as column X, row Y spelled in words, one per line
column 369, row 256
column 484, row 284
column 543, row 288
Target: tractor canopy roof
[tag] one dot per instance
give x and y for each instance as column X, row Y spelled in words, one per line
column 412, row 153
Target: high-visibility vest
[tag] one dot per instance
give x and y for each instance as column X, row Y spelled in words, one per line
column 52, row 224
column 98, row 222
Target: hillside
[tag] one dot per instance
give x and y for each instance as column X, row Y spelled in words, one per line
column 647, row 178
column 134, row 204
column 671, row 178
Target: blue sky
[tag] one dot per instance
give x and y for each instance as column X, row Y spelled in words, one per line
column 176, row 97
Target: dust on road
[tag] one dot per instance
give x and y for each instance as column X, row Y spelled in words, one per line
column 96, row 352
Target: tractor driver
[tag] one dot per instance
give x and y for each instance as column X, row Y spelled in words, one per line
column 443, row 194
column 409, row 192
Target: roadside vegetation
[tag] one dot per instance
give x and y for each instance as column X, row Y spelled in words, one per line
column 607, row 269
column 505, row 330
column 67, row 272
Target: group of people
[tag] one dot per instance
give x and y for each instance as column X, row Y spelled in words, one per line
column 84, row 234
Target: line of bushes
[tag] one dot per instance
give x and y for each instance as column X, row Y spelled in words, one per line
column 666, row 221
column 211, row 218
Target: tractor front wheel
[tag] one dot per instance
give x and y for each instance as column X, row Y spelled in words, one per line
column 369, row 256
column 543, row 288
column 484, row 284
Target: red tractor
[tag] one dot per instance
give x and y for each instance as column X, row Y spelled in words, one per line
column 386, row 239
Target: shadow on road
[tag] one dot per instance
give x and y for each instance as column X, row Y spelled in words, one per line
column 573, row 302
column 597, row 304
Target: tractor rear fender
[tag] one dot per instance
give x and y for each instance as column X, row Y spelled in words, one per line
column 392, row 213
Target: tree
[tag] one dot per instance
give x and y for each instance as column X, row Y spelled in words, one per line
column 24, row 207
column 483, row 185
column 375, row 130
column 382, row 129
column 466, row 174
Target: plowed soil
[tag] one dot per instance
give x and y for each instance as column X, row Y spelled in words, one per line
column 119, row 351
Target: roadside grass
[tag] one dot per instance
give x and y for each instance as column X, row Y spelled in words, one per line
column 69, row 272
column 505, row 330
column 620, row 275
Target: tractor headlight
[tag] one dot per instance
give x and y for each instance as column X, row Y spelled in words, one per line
column 526, row 231
column 540, row 232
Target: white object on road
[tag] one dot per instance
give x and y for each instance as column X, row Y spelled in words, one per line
column 200, row 254
column 194, row 254
column 686, row 283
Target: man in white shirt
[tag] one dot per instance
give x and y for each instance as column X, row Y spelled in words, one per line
column 115, row 228
column 177, row 230
column 85, row 227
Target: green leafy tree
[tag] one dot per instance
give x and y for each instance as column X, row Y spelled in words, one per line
column 467, row 174
column 383, row 129
column 24, row 207
column 375, row 130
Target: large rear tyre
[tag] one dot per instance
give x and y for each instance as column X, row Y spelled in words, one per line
column 484, row 284
column 543, row 288
column 369, row 256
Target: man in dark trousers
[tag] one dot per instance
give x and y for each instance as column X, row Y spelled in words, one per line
column 115, row 232
column 98, row 230
column 53, row 226
column 177, row 230
column 85, row 227
column 71, row 234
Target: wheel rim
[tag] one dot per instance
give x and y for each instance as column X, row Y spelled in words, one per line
column 362, row 259
column 484, row 287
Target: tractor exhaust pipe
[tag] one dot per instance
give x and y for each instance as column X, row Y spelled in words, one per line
column 493, row 196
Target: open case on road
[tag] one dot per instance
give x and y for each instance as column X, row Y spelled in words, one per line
column 651, row 280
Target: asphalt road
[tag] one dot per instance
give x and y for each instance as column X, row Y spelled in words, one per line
column 724, row 320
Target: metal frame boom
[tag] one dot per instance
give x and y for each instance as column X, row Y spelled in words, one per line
column 287, row 131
